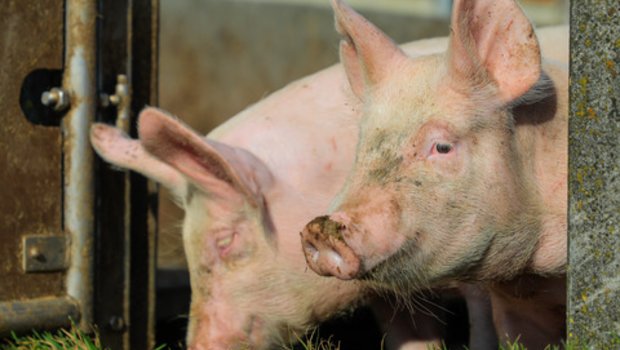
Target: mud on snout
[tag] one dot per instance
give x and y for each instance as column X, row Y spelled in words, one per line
column 326, row 250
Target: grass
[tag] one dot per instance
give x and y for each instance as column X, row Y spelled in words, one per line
column 76, row 339
column 73, row 339
column 63, row 339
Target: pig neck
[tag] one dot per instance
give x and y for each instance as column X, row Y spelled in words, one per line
column 542, row 141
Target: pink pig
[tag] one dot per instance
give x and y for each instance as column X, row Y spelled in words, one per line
column 460, row 170
column 245, row 196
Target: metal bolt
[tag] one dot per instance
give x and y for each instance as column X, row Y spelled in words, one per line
column 116, row 323
column 36, row 254
column 115, row 100
column 107, row 100
column 104, row 100
column 56, row 98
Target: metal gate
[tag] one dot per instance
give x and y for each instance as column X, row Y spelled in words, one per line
column 77, row 238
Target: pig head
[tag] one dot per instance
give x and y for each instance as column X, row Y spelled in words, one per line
column 249, row 287
column 460, row 169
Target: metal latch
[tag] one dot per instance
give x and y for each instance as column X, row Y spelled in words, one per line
column 44, row 253
column 121, row 99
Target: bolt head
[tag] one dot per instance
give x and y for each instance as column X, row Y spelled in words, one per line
column 49, row 98
column 56, row 98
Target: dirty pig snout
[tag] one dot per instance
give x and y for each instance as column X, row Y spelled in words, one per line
column 326, row 251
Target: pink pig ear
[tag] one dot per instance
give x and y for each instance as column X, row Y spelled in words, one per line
column 497, row 36
column 366, row 53
column 214, row 167
column 118, row 148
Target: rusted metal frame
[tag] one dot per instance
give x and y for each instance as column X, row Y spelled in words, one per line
column 78, row 219
column 38, row 313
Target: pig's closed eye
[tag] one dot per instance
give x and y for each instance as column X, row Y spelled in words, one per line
column 442, row 148
column 224, row 244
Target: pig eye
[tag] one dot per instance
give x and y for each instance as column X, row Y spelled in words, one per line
column 443, row 148
column 224, row 244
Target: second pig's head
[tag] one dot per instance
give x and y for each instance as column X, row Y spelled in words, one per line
column 249, row 283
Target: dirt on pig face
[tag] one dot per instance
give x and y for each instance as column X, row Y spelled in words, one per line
column 469, row 213
column 327, row 229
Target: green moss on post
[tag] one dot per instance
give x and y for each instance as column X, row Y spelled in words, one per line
column 594, row 206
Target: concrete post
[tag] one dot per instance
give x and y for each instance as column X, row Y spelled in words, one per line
column 594, row 230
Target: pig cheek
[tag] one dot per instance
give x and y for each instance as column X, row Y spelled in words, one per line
column 208, row 257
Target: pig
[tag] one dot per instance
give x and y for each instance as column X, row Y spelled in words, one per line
column 248, row 285
column 244, row 190
column 256, row 300
column 460, row 169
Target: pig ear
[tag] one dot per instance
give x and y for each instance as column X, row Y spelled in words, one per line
column 497, row 36
column 214, row 167
column 366, row 53
column 117, row 148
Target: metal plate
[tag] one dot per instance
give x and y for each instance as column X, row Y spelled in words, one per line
column 44, row 253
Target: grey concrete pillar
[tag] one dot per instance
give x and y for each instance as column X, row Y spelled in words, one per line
column 594, row 230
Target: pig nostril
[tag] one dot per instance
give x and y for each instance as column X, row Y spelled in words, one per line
column 311, row 251
column 335, row 258
column 314, row 254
